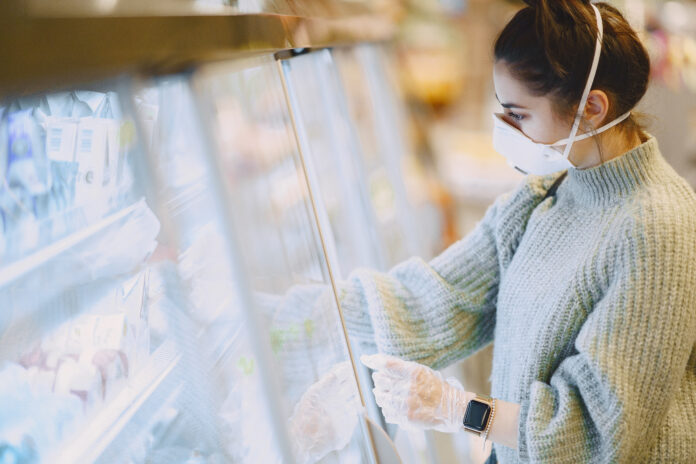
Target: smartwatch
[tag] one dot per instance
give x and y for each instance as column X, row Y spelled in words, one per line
column 478, row 413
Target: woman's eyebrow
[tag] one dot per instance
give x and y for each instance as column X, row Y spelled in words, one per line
column 509, row 105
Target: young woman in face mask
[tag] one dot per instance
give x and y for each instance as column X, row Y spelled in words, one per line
column 584, row 276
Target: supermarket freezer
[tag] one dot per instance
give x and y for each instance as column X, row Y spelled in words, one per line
column 162, row 261
column 125, row 334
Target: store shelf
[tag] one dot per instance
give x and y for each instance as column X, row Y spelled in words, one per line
column 100, row 431
column 43, row 255
column 44, row 53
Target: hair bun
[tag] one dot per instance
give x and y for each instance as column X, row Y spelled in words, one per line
column 565, row 12
column 555, row 4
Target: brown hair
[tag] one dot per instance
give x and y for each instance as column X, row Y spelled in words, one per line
column 549, row 45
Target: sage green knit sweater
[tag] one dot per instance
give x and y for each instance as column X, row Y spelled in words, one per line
column 591, row 300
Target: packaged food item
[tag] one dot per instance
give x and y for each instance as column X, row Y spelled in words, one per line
column 88, row 102
column 58, row 104
column 27, row 166
column 61, row 135
column 110, row 255
column 78, row 377
column 91, row 155
column 112, row 366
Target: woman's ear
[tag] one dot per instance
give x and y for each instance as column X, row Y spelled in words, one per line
column 597, row 108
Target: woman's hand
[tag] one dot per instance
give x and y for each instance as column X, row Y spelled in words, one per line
column 413, row 395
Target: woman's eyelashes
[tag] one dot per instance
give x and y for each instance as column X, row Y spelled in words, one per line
column 515, row 116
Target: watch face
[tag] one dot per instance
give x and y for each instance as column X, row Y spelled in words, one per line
column 476, row 415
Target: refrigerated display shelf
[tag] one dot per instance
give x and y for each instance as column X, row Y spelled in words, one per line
column 100, row 431
column 40, row 257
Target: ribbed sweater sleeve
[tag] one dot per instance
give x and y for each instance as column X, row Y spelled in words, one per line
column 605, row 402
column 440, row 311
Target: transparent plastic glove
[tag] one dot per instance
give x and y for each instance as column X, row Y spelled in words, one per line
column 325, row 417
column 414, row 396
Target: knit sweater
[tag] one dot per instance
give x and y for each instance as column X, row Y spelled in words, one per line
column 590, row 296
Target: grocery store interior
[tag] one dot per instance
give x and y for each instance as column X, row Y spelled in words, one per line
column 187, row 185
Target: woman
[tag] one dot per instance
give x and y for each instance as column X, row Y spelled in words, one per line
column 588, row 288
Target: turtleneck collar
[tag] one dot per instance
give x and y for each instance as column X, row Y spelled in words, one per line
column 616, row 178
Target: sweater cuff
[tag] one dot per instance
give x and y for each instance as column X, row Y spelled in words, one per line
column 522, row 447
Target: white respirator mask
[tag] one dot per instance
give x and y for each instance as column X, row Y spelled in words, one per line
column 531, row 157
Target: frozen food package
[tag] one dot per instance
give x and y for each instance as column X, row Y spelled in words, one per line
column 111, row 254
column 27, row 165
column 92, row 100
column 91, row 155
column 58, row 104
column 61, row 136
column 91, row 355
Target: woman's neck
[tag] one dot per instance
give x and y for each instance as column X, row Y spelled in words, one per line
column 586, row 153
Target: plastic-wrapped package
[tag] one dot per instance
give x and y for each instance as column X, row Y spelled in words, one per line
column 110, row 252
column 91, row 100
column 91, row 355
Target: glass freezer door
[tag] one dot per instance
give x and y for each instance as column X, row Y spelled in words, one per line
column 378, row 115
column 202, row 254
column 282, row 251
column 344, row 143
column 331, row 150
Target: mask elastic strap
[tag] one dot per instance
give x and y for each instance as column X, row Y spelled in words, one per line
column 595, row 132
column 590, row 81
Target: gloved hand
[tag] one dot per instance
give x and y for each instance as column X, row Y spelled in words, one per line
column 326, row 415
column 414, row 396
